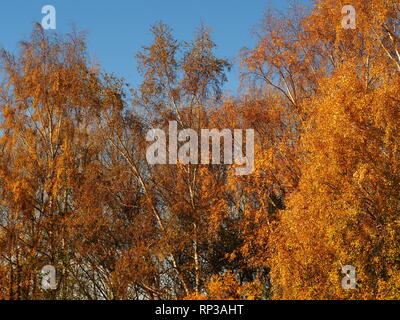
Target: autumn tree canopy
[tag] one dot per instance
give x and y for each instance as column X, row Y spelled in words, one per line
column 77, row 193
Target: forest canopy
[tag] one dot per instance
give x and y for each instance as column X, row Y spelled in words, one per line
column 77, row 193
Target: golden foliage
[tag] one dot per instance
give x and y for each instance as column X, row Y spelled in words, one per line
column 76, row 191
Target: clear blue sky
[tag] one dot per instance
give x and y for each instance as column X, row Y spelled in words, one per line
column 118, row 28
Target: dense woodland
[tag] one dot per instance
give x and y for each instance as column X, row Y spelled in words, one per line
column 76, row 191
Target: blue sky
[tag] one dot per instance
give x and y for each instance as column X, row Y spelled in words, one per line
column 117, row 29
